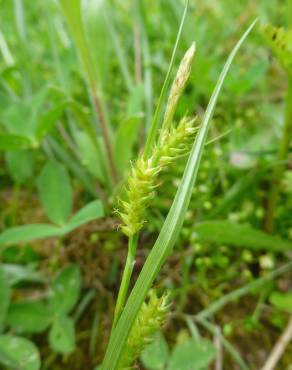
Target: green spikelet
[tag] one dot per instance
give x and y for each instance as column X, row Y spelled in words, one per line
column 178, row 85
column 143, row 179
column 151, row 317
column 175, row 142
column 138, row 192
column 280, row 41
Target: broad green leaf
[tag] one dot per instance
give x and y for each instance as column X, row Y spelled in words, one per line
column 18, row 353
column 62, row 335
column 16, row 274
column 226, row 232
column 169, row 232
column 192, row 355
column 126, row 137
column 5, row 293
column 27, row 233
column 155, row 355
column 29, row 317
column 20, row 165
column 14, row 142
column 90, row 212
column 65, row 290
column 55, row 192
column 282, row 301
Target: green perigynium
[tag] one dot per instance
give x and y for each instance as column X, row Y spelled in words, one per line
column 175, row 142
column 138, row 192
column 151, row 318
column 143, row 179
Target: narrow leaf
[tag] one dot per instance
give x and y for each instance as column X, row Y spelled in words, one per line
column 5, row 293
column 27, row 233
column 90, row 212
column 226, row 232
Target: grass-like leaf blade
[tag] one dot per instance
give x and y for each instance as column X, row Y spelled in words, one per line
column 237, row 235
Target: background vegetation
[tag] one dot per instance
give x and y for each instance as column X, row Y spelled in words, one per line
column 78, row 92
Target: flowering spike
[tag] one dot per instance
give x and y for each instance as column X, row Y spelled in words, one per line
column 178, row 85
column 151, row 317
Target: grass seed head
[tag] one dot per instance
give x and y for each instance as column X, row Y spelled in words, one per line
column 175, row 142
column 179, row 84
column 138, row 192
column 151, row 317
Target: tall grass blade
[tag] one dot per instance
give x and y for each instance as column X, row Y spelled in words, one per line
column 169, row 232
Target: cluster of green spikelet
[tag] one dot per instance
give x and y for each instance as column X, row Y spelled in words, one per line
column 174, row 141
column 151, row 317
column 143, row 179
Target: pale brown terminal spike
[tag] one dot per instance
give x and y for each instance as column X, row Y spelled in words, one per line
column 178, row 85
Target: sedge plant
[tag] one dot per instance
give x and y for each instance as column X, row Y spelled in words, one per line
column 160, row 150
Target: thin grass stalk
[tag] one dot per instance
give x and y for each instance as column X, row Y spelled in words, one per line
column 158, row 112
column 228, row 347
column 73, row 12
column 238, row 293
column 101, row 116
column 169, row 232
column 86, row 127
column 127, row 273
column 278, row 171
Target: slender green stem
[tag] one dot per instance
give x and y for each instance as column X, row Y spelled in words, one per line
column 220, row 303
column 278, row 170
column 132, row 246
column 229, row 348
column 99, row 108
column 155, row 123
column 75, row 22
